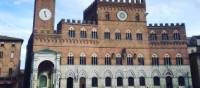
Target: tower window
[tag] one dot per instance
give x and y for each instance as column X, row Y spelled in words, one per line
column 107, row 16
column 117, row 36
column 137, row 17
column 10, row 71
column 139, row 36
column 12, row 55
column 2, row 44
column 1, row 54
column 13, row 45
column 107, row 35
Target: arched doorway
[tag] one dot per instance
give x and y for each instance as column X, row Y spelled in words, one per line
column 169, row 82
column 70, row 82
column 82, row 82
column 45, row 74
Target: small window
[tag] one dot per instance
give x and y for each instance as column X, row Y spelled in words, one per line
column 139, row 36
column 2, row 44
column 94, row 82
column 118, row 61
column 119, row 81
column 130, row 81
column 142, row 81
column 137, row 17
column 1, row 54
column 107, row 16
column 107, row 35
column 10, row 71
column 181, row 81
column 156, row 81
column 12, row 54
column 108, row 82
column 117, row 36
column 13, row 45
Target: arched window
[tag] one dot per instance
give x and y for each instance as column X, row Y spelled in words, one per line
column 117, row 36
column 43, row 81
column 118, row 60
column 130, row 81
column 153, row 36
column 156, row 81
column 155, row 60
column 108, row 60
column 165, row 36
column 141, row 59
column 179, row 59
column 167, row 60
column 137, row 17
column 119, row 81
column 94, row 34
column 108, row 82
column 176, row 36
column 82, row 83
column 142, row 81
column 128, row 35
column 129, row 59
column 139, row 36
column 82, row 59
column 181, row 81
column 107, row 16
column 169, row 83
column 94, row 59
column 94, row 82
column 70, row 59
column 83, row 33
column 107, row 35
column 72, row 32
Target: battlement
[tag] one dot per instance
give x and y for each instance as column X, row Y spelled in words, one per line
column 81, row 22
column 123, row 1
column 167, row 25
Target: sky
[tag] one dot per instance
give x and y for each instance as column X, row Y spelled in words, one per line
column 16, row 16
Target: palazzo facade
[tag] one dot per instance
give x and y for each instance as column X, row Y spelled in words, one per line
column 113, row 47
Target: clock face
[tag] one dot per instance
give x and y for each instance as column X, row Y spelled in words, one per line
column 45, row 14
column 122, row 15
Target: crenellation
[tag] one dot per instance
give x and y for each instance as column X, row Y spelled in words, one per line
column 72, row 21
column 123, row 1
column 166, row 25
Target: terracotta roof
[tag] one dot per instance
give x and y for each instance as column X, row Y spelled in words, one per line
column 6, row 38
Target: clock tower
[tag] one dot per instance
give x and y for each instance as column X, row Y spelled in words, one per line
column 44, row 16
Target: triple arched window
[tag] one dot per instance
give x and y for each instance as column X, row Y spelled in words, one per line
column 141, row 59
column 155, row 60
column 176, row 35
column 70, row 59
column 165, row 36
column 83, row 33
column 71, row 32
column 94, row 59
column 167, row 60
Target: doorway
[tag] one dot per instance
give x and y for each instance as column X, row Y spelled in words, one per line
column 82, row 82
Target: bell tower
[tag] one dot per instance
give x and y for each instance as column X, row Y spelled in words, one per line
column 44, row 16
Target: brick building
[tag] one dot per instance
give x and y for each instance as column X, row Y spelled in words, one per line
column 113, row 47
column 10, row 50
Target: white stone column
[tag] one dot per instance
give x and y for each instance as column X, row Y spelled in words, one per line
column 175, row 82
column 125, row 82
column 63, row 83
column 162, row 82
column 137, row 82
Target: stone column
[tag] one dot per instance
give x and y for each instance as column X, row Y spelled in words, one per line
column 63, row 83
column 125, row 82
column 175, row 82
column 162, row 82
column 137, row 82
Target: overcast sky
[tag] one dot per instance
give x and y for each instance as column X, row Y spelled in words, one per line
column 16, row 16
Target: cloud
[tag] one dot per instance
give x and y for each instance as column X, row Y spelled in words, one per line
column 18, row 2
